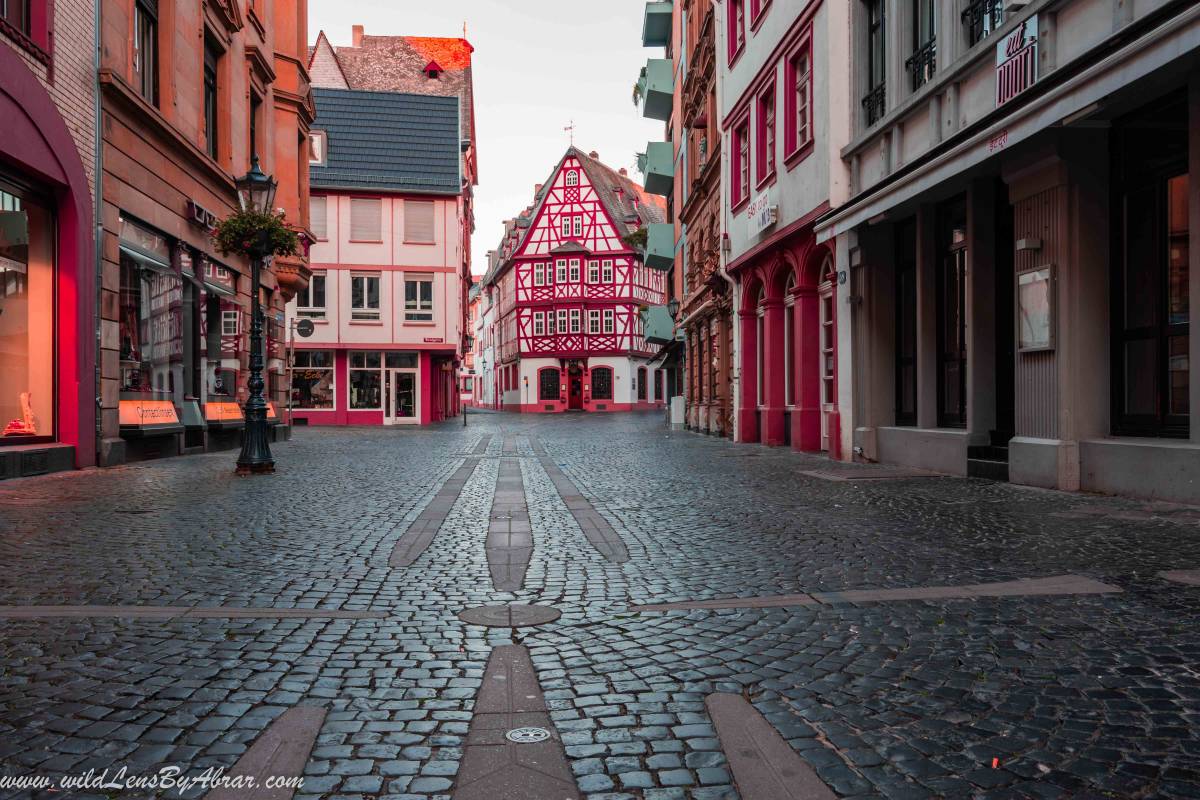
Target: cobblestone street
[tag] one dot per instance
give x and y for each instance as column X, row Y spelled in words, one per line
column 1085, row 686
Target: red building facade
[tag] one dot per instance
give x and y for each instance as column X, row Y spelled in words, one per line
column 571, row 287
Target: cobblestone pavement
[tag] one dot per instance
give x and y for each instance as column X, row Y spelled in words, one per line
column 1055, row 696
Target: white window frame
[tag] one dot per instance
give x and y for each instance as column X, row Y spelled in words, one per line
column 572, row 177
column 550, row 330
column 539, row 274
column 228, row 315
column 593, row 271
column 578, row 226
column 575, row 264
column 560, row 268
column 576, row 320
column 366, row 313
column 566, row 227
column 539, row 323
column 562, row 320
column 610, row 320
column 318, row 148
column 423, row 312
column 593, row 321
column 304, row 306
column 606, row 271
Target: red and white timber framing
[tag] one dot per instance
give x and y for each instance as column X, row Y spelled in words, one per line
column 569, row 330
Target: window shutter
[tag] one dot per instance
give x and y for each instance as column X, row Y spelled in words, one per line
column 317, row 219
column 366, row 219
column 418, row 221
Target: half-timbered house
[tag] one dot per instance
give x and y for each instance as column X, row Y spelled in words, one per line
column 571, row 284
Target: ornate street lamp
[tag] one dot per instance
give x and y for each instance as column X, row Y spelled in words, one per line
column 256, row 194
column 673, row 308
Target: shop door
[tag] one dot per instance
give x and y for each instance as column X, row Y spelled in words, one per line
column 828, row 361
column 575, row 391
column 400, row 405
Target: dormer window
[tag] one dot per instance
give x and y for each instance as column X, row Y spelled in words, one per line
column 572, row 178
column 432, row 70
column 317, row 142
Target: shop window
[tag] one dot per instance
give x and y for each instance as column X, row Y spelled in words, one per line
column 419, row 226
column 311, row 301
column 418, row 298
column 1150, row 315
column 27, row 355
column 364, row 297
column 906, row 323
column 150, row 327
column 318, row 216
column 766, row 133
column 399, row 360
column 312, row 380
column 952, row 318
column 212, row 59
column 548, row 384
column 366, row 381
column 145, row 49
column 602, row 383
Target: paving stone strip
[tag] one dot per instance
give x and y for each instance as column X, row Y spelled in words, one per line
column 1190, row 577
column 496, row 768
column 183, row 612
column 595, row 527
column 510, row 535
column 281, row 751
column 1026, row 587
column 420, row 534
column 765, row 767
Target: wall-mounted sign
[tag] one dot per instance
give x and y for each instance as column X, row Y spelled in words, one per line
column 1017, row 61
column 761, row 214
column 1035, row 309
column 305, row 328
column 223, row 415
column 434, row 340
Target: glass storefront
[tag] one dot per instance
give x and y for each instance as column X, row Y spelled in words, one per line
column 27, row 357
column 312, row 380
column 151, row 317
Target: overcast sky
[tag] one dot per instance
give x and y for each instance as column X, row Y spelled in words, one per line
column 538, row 64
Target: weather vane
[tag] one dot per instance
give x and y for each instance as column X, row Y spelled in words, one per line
column 570, row 129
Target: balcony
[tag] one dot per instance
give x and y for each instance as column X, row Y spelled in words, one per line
column 656, row 29
column 660, row 246
column 660, row 168
column 657, row 325
column 658, row 90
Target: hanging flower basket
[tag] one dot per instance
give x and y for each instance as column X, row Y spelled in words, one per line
column 255, row 235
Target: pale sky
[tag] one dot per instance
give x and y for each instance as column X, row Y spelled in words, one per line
column 538, row 64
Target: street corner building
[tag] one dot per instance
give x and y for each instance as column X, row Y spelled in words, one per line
column 1023, row 188
column 567, row 298
column 391, row 265
column 47, row 255
column 191, row 95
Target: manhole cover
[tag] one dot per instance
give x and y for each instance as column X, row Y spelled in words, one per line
column 527, row 735
column 509, row 616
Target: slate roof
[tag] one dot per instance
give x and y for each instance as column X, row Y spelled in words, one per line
column 388, row 142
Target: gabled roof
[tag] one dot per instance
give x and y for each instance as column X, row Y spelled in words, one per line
column 388, row 142
column 571, row 246
column 324, row 69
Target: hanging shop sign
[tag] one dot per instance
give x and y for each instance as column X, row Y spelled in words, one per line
column 1017, row 61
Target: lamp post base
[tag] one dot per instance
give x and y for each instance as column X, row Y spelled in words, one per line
column 256, row 469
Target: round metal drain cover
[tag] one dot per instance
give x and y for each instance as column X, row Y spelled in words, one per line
column 513, row 615
column 527, row 735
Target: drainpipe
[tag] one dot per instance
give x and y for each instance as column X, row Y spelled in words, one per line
column 735, row 369
column 98, row 244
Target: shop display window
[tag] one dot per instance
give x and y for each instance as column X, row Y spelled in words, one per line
column 151, row 317
column 312, row 380
column 26, row 318
column 366, row 381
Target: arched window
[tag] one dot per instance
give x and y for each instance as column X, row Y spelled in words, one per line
column 548, row 384
column 572, row 177
column 641, row 387
column 602, row 383
column 789, row 342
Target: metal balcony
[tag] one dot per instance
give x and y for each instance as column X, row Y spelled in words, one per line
column 659, row 89
column 660, row 168
column 660, row 246
column 656, row 29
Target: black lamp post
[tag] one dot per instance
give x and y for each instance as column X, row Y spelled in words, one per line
column 256, row 192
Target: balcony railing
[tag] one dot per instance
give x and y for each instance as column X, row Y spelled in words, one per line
column 656, row 28
column 659, row 89
column 922, row 64
column 981, row 18
column 875, row 104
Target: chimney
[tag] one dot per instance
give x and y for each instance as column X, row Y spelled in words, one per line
column 624, row 173
column 537, row 188
column 356, row 34
column 594, row 155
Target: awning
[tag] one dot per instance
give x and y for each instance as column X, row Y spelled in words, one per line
column 147, row 260
column 664, row 355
